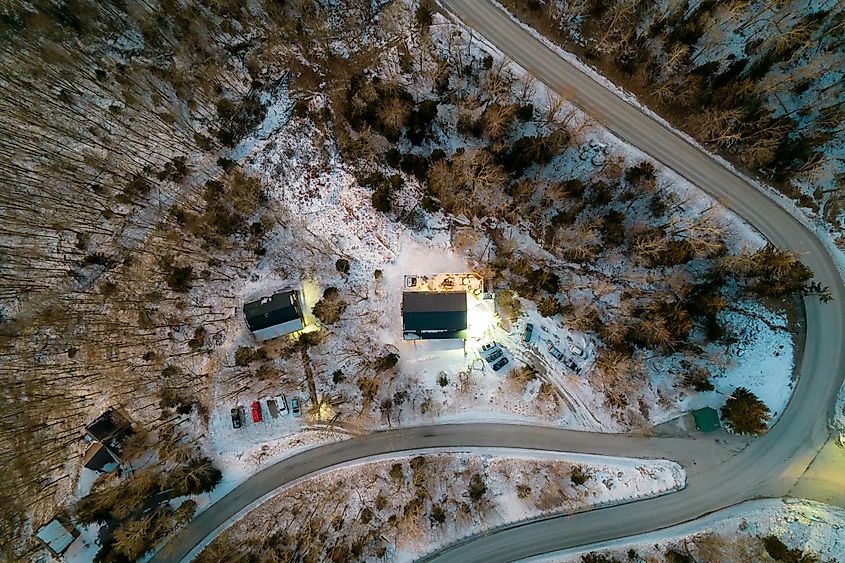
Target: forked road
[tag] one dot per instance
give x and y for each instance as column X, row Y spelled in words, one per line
column 719, row 474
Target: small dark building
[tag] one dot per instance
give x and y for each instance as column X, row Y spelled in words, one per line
column 432, row 315
column 98, row 458
column 274, row 316
column 706, row 419
column 110, row 430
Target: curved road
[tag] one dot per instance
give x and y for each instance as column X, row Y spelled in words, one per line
column 721, row 470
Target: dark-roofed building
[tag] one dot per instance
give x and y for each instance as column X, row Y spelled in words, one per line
column 273, row 316
column 110, row 430
column 434, row 315
column 98, row 458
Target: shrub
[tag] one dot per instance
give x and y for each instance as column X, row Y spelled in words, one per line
column 381, row 198
column 549, row 307
column 642, row 175
column 178, row 278
column 198, row 340
column 781, row 552
column 594, row 557
column 330, row 308
column 675, row 556
column 438, row 515
column 193, row 478
column 245, row 355
column 342, row 265
column 578, row 476
column 699, row 379
column 477, row 488
column 424, row 16
column 226, row 109
column 525, row 113
column 386, row 362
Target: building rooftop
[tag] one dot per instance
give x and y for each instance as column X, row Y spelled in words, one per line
column 277, row 309
column 434, row 315
column 55, row 536
column 706, row 419
column 99, row 458
column 109, row 428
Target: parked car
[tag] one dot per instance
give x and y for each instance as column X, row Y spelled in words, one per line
column 256, row 412
column 528, row 332
column 557, row 354
column 282, row 401
column 236, row 418
column 487, row 347
column 294, row 406
column 494, row 356
column 500, row 364
column 576, row 350
column 571, row 365
column 273, row 408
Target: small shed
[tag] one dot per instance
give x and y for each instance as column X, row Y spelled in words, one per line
column 706, row 419
column 57, row 535
column 273, row 316
column 98, row 458
column 110, row 430
column 434, row 315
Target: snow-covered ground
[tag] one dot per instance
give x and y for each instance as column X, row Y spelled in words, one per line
column 373, row 499
column 759, row 358
column 327, row 213
column 732, row 535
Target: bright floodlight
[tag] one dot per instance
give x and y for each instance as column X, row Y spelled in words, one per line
column 480, row 317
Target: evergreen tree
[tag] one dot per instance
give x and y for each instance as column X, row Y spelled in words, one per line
column 745, row 413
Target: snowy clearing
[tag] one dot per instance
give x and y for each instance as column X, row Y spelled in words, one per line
column 733, row 535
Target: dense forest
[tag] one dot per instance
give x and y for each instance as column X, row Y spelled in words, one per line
column 117, row 201
column 761, row 82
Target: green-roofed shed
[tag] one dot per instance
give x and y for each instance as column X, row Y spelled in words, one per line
column 706, row 419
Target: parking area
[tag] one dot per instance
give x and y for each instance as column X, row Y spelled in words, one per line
column 265, row 411
column 495, row 356
column 238, row 423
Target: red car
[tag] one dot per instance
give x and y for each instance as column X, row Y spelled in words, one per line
column 256, row 411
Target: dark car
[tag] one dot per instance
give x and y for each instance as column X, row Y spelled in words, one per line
column 528, row 333
column 237, row 420
column 500, row 364
column 273, row 408
column 571, row 365
column 294, row 406
column 494, row 356
column 256, row 411
column 557, row 354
